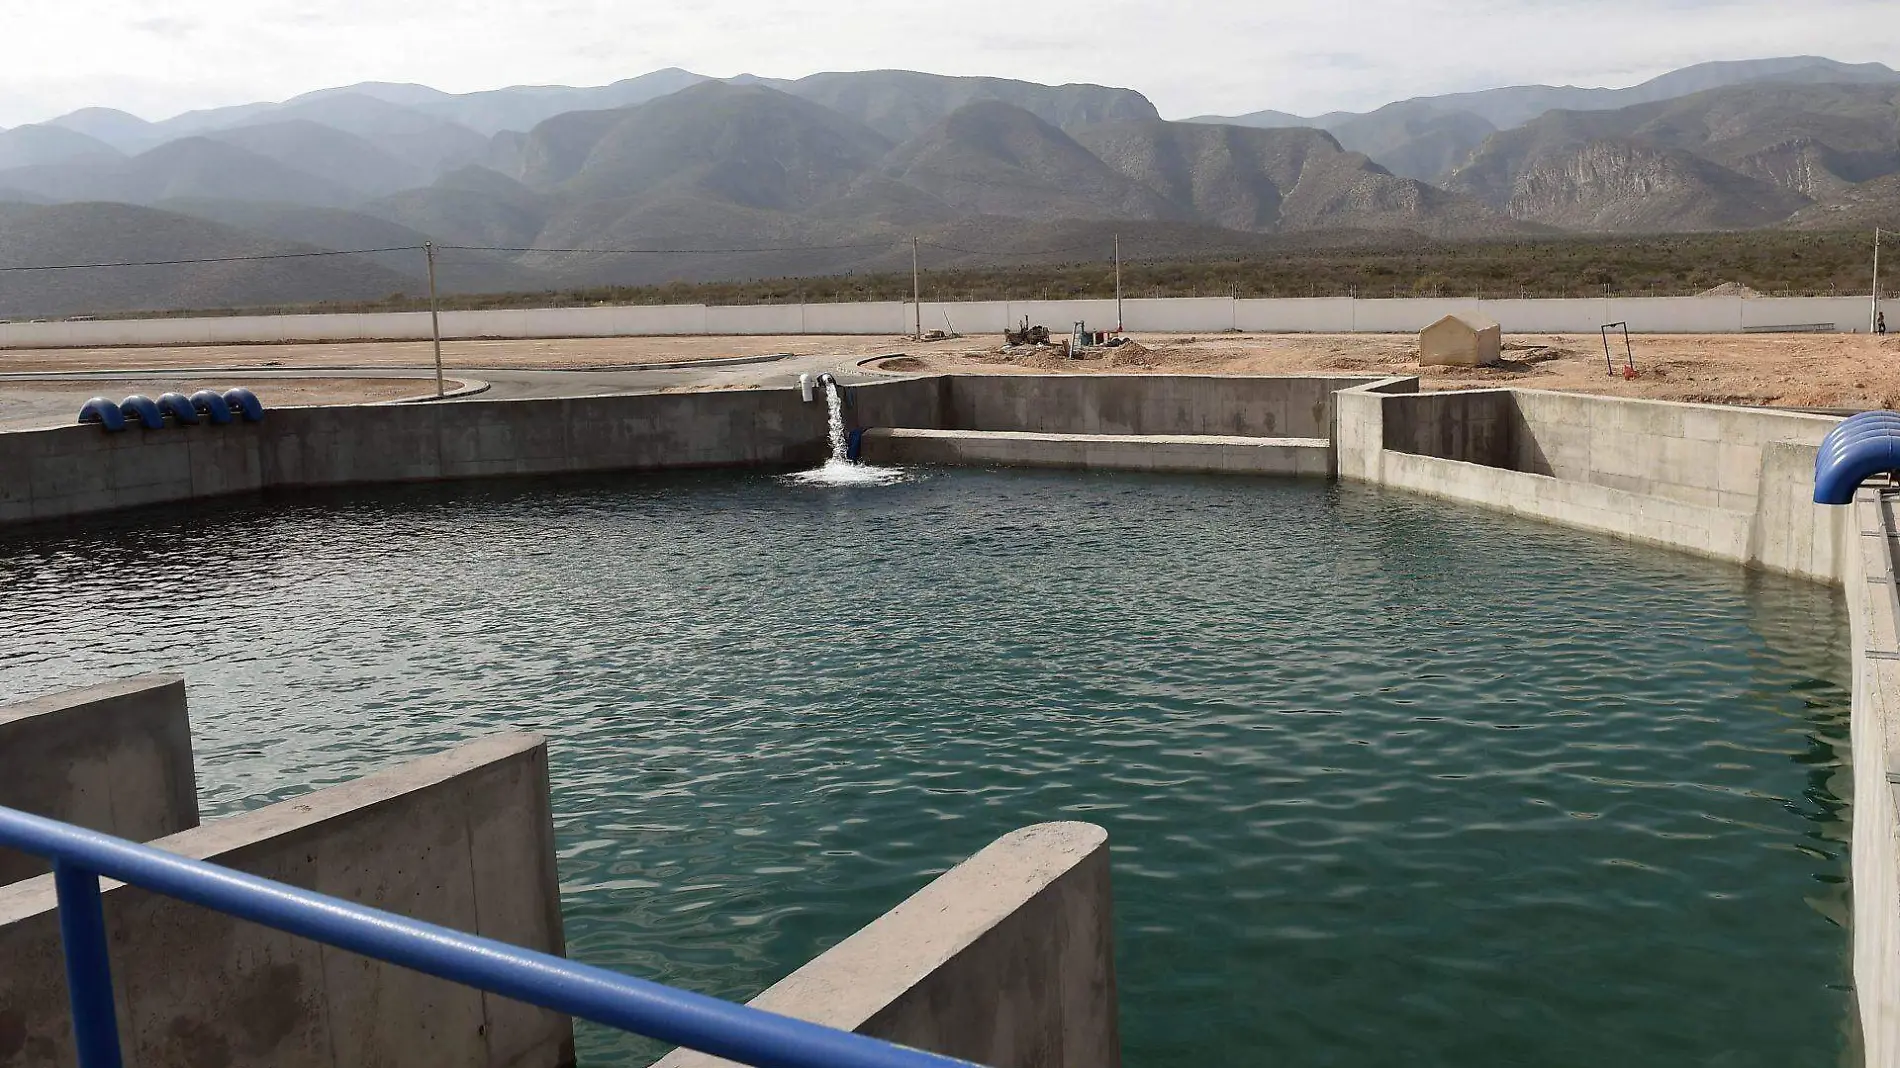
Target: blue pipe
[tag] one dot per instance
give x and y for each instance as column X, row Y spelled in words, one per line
column 1857, row 461
column 104, row 412
column 211, row 404
column 1835, row 447
column 696, row 1021
column 82, row 935
column 245, row 403
column 1845, row 438
column 179, row 407
column 143, row 407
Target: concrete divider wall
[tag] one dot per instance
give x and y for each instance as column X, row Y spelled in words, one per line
column 1475, row 426
column 1182, row 314
column 75, row 470
column 1006, row 960
column 1260, row 406
column 1632, row 516
column 114, row 758
column 1732, row 483
column 463, row 839
column 1200, row 454
column 1702, row 454
column 1873, row 606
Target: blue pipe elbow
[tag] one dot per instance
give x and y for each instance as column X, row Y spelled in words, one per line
column 1853, row 458
column 104, row 412
column 245, row 403
column 1840, row 441
column 179, row 407
column 210, row 404
column 146, row 409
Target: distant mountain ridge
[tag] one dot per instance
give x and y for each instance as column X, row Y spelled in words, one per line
column 1477, row 114
column 836, row 172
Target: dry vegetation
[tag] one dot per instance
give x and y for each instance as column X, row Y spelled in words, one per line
column 1772, row 262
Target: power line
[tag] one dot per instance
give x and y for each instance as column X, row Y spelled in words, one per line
column 216, row 259
column 1030, row 252
column 666, row 251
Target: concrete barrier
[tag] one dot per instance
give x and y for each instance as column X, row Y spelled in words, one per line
column 1240, row 406
column 114, row 758
column 1180, row 453
column 1873, row 608
column 76, row 470
column 463, row 839
column 1733, row 483
column 1006, row 960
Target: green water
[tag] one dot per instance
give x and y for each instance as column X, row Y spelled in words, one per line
column 1388, row 782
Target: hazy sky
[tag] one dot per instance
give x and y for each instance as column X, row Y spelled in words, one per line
column 1222, row 56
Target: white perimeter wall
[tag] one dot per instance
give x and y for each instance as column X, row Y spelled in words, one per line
column 1655, row 315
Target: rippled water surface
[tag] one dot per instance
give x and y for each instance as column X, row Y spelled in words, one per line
column 1388, row 782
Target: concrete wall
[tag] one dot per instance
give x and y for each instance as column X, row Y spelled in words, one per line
column 1632, row 516
column 80, row 469
column 463, row 839
column 1006, row 960
column 1181, row 314
column 1296, row 457
column 1475, row 426
column 1733, row 483
column 114, row 758
column 1873, row 606
column 1259, row 406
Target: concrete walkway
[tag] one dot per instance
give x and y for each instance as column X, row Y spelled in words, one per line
column 39, row 409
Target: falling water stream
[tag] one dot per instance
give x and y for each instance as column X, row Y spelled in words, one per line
column 840, row 469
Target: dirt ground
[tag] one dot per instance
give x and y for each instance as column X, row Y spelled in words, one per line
column 1786, row 370
column 25, row 405
column 558, row 354
column 1790, row 370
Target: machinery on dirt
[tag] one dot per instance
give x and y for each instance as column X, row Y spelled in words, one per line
column 1026, row 335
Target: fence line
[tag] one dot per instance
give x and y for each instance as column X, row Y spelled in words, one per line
column 1661, row 315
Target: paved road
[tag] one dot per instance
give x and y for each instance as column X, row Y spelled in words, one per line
column 22, row 410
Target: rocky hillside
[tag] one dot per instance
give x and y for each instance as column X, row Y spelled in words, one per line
column 673, row 176
column 1733, row 158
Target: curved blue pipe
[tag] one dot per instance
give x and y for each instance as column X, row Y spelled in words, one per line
column 245, row 403
column 147, row 411
column 179, row 407
column 1858, row 461
column 210, row 404
column 104, row 412
column 1843, row 437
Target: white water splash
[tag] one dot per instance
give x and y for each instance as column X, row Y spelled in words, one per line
column 840, row 470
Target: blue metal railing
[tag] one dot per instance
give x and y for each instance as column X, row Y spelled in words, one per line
column 682, row 1018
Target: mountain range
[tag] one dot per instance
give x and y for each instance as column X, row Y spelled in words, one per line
column 837, row 172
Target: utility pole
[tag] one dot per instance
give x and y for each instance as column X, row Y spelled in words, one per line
column 1873, row 323
column 435, row 316
column 916, row 289
column 1118, row 283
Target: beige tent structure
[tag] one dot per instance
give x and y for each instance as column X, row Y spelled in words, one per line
column 1462, row 340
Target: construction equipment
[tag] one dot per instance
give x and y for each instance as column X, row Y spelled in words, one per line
column 1027, row 335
